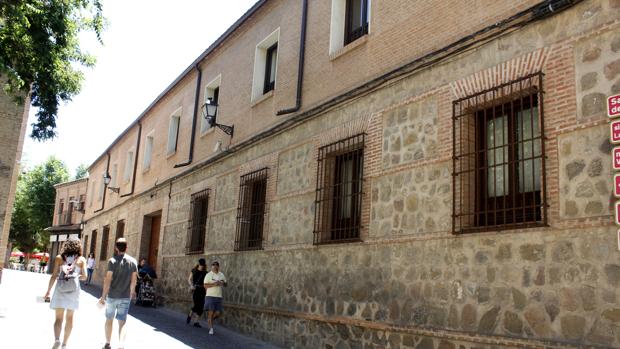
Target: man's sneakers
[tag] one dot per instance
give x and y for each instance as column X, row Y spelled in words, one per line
column 211, row 330
column 197, row 325
column 107, row 346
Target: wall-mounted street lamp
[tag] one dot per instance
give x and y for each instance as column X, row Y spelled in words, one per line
column 106, row 181
column 209, row 112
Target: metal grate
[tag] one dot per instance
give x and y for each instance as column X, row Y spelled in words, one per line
column 198, row 222
column 105, row 236
column 93, row 241
column 499, row 157
column 120, row 229
column 339, row 191
column 251, row 211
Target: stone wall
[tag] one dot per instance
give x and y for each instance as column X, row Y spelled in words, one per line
column 412, row 201
column 585, row 171
column 410, row 282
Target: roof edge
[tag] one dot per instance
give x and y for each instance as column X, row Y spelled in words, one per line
column 70, row 182
column 197, row 61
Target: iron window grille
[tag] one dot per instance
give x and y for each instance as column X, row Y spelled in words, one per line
column 105, row 237
column 499, row 157
column 356, row 20
column 338, row 204
column 93, row 242
column 271, row 62
column 199, row 207
column 251, row 211
column 120, row 229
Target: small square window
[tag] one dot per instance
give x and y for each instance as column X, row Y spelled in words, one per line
column 356, row 23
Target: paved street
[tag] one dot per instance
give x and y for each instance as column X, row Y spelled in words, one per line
column 24, row 323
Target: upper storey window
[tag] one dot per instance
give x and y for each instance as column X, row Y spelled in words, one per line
column 212, row 92
column 270, row 68
column 356, row 20
column 349, row 22
column 173, row 132
column 265, row 66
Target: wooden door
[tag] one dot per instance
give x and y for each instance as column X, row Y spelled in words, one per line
column 154, row 243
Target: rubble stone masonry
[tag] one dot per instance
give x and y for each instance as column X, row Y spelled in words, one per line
column 411, row 283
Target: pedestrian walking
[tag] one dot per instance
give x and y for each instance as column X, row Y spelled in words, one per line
column 214, row 281
column 90, row 264
column 196, row 282
column 69, row 268
column 118, row 290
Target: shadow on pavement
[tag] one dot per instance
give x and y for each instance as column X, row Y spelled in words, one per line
column 173, row 324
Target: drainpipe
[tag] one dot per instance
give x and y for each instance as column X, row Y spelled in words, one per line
column 193, row 136
column 135, row 161
column 107, row 170
column 300, row 67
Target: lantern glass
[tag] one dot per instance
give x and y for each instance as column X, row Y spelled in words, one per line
column 106, row 179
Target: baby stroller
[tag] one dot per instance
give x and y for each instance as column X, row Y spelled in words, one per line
column 145, row 293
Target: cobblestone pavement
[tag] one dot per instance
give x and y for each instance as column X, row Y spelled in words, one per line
column 24, row 323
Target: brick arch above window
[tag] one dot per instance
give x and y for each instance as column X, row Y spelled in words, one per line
column 502, row 73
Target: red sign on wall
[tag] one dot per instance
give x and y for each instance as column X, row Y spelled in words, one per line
column 613, row 106
column 617, row 212
column 616, row 158
column 615, row 131
column 617, row 185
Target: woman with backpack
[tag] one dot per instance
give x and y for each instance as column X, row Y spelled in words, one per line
column 69, row 268
column 196, row 284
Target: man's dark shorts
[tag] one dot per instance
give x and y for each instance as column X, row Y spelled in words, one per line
column 213, row 304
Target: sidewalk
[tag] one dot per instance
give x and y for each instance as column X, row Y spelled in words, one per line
column 26, row 323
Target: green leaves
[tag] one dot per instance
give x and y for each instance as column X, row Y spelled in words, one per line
column 39, row 49
column 35, row 198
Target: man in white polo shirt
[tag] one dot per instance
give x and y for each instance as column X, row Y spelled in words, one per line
column 214, row 281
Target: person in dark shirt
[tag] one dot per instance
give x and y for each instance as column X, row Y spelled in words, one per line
column 145, row 269
column 196, row 284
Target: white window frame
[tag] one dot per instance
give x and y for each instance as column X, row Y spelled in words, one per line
column 260, row 58
column 101, row 188
column 114, row 175
column 148, row 151
column 174, row 126
column 338, row 23
column 130, row 158
column 209, row 92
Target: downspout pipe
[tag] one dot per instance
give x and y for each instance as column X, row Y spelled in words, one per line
column 107, row 171
column 300, row 67
column 135, row 162
column 194, row 120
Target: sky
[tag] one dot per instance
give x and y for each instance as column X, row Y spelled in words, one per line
column 146, row 45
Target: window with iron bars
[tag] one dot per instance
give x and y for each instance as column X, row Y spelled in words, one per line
column 105, row 236
column 199, row 206
column 499, row 157
column 93, row 242
column 120, row 229
column 251, row 211
column 338, row 204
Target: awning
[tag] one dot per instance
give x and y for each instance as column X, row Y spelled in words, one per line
column 63, row 228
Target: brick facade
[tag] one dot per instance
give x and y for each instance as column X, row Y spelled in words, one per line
column 410, row 282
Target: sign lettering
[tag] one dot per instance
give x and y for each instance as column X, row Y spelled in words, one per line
column 613, row 106
column 615, row 131
column 616, row 158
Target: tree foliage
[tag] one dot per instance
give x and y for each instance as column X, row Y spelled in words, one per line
column 81, row 171
column 35, row 198
column 40, row 53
